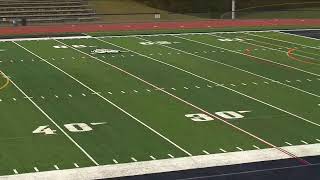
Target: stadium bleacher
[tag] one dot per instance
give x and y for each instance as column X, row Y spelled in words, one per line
column 46, row 11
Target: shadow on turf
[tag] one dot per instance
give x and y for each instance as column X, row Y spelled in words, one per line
column 289, row 169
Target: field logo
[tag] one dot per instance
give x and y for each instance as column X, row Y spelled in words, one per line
column 106, row 51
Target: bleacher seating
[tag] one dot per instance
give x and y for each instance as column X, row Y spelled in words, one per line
column 45, row 11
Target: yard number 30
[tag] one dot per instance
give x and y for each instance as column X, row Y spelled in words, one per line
column 223, row 114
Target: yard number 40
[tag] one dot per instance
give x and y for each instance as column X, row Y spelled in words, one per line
column 74, row 127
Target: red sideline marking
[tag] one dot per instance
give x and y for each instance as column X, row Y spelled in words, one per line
column 247, row 53
column 78, row 28
column 291, row 56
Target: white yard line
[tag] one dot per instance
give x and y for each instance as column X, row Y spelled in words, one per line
column 184, row 101
column 56, row 124
column 86, row 36
column 263, row 77
column 170, row 164
column 266, row 47
column 306, row 37
column 285, row 65
column 107, row 100
column 200, row 77
column 282, row 41
column 44, row 38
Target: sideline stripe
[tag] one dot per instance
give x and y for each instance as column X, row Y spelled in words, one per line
column 250, row 55
column 176, row 164
column 306, row 37
column 238, row 68
column 188, row 103
column 253, row 44
column 265, row 37
column 102, row 97
column 208, row 80
column 48, row 117
column 268, row 59
column 246, row 53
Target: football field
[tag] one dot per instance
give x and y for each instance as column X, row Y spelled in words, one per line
column 85, row 101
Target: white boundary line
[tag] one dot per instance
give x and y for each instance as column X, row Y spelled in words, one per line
column 169, row 165
column 45, row 38
column 253, row 44
column 250, row 56
column 86, row 36
column 218, row 62
column 266, row 37
column 199, row 33
column 184, row 101
column 306, row 37
column 286, row 47
column 208, row 80
column 53, row 122
column 107, row 100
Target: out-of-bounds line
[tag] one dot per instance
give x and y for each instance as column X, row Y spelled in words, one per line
column 52, row 121
column 265, row 37
column 306, row 37
column 318, row 75
column 257, row 75
column 217, row 84
column 45, row 38
column 188, row 103
column 197, row 33
column 286, row 47
column 107, row 100
column 253, row 44
column 86, row 36
column 171, row 164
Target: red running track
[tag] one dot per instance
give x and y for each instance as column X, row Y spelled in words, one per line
column 78, row 28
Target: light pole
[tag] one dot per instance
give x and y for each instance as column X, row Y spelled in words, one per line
column 233, row 9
